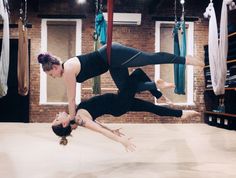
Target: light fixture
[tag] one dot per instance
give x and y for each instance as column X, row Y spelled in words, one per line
column 81, row 1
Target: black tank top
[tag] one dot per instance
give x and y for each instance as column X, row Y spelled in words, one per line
column 92, row 64
column 108, row 103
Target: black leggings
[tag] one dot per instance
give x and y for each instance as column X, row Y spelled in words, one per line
column 146, row 81
column 123, row 57
column 139, row 105
column 126, row 101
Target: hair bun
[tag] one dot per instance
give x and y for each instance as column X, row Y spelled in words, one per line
column 43, row 58
column 63, row 141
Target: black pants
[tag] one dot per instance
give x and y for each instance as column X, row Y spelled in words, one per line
column 126, row 101
column 148, row 83
column 139, row 105
column 123, row 57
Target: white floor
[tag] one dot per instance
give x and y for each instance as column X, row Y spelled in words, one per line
column 163, row 151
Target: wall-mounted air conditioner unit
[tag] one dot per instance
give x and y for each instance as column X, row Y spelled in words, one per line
column 125, row 18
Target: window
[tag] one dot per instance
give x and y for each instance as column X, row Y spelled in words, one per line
column 60, row 37
column 164, row 43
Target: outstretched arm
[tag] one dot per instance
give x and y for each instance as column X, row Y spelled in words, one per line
column 70, row 82
column 115, row 131
column 88, row 123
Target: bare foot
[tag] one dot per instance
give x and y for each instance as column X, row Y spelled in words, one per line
column 190, row 60
column 161, row 84
column 166, row 100
column 189, row 113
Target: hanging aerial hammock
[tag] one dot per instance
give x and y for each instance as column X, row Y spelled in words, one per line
column 23, row 57
column 213, row 48
column 99, row 34
column 104, row 35
column 218, row 58
column 4, row 59
column 223, row 45
column 179, row 69
column 100, row 24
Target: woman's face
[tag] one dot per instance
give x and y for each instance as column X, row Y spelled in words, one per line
column 61, row 118
column 55, row 72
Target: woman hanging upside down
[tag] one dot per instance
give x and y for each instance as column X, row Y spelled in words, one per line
column 83, row 67
column 116, row 105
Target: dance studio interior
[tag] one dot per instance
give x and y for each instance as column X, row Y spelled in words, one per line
column 73, row 103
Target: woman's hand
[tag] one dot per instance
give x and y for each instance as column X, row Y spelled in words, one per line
column 129, row 146
column 97, row 127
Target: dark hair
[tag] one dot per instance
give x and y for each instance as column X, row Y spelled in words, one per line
column 47, row 60
column 62, row 132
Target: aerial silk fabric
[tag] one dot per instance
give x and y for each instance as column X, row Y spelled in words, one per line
column 4, row 59
column 97, row 79
column 23, row 60
column 213, row 51
column 101, row 34
column 218, row 50
column 109, row 28
column 179, row 69
column 101, row 28
column 223, row 46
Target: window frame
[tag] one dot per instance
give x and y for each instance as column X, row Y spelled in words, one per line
column 43, row 76
column 190, row 47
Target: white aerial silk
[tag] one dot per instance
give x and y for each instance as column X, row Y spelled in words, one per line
column 218, row 51
column 213, row 50
column 232, row 5
column 4, row 59
column 224, row 27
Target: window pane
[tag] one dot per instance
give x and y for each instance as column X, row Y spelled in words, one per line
column 61, row 42
column 167, row 70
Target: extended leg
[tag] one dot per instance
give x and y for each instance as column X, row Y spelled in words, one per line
column 130, row 85
column 123, row 56
column 143, row 77
column 139, row 105
column 121, row 75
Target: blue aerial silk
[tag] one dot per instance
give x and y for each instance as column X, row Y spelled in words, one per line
column 101, row 28
column 101, row 34
column 179, row 69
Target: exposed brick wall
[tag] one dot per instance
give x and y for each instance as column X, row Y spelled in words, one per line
column 141, row 37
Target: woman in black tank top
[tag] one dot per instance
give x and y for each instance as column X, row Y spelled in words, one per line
column 116, row 105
